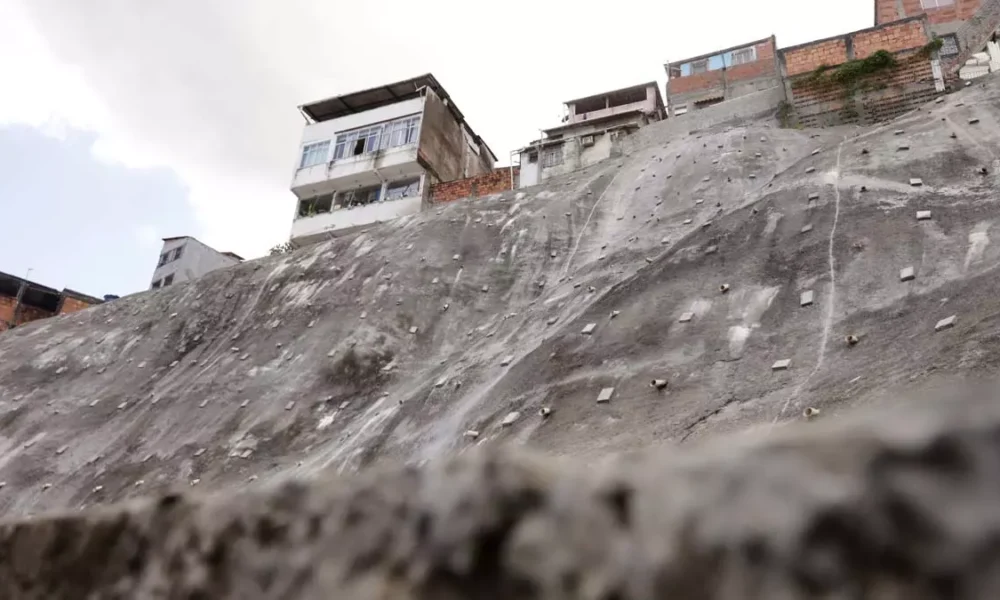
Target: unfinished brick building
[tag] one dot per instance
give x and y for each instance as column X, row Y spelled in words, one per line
column 701, row 81
column 965, row 27
column 944, row 16
column 23, row 301
column 494, row 182
column 821, row 90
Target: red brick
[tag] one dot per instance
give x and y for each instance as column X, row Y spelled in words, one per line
column 887, row 10
column 710, row 80
column 481, row 185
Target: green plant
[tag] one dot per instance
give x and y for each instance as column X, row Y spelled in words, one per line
column 852, row 71
column 931, row 47
column 849, row 74
column 786, row 114
column 284, row 248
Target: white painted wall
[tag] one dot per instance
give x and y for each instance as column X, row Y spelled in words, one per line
column 355, row 171
column 196, row 260
column 353, row 217
column 529, row 172
column 328, row 130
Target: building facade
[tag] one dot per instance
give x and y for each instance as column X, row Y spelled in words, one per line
column 372, row 156
column 944, row 16
column 185, row 258
column 23, row 301
column 591, row 131
column 816, row 99
column 494, row 182
column 701, row 81
column 968, row 30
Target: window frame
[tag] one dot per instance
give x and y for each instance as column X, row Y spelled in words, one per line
column 406, row 185
column 936, row 4
column 383, row 136
column 168, row 280
column 311, row 151
column 178, row 252
column 751, row 51
column 552, row 156
column 349, row 198
column 702, row 63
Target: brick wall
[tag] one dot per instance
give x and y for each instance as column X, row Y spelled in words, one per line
column 71, row 305
column 888, row 95
column 693, row 83
column 721, row 79
column 25, row 315
column 482, row 185
column 894, row 38
column 809, row 57
column 888, row 10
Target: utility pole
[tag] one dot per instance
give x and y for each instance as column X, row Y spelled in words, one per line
column 17, row 302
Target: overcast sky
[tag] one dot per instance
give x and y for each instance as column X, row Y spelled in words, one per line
column 124, row 121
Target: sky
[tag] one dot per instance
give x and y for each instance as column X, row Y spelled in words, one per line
column 125, row 121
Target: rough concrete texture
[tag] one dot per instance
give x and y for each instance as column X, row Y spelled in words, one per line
column 843, row 509
column 275, row 374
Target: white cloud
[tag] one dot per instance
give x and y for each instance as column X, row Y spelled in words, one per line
column 148, row 237
column 209, row 88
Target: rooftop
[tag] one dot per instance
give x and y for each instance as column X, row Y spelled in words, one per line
column 715, row 52
column 36, row 294
column 384, row 95
column 624, row 90
column 191, row 237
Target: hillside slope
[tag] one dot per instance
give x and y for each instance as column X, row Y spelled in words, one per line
column 394, row 342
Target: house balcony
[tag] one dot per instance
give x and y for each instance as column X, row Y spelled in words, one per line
column 356, row 171
column 610, row 112
column 315, row 228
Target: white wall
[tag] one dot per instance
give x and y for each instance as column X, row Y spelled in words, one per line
column 354, row 171
column 353, row 217
column 196, row 260
column 529, row 172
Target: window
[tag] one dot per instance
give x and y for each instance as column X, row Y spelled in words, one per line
column 164, row 259
column 156, row 284
column 552, row 157
column 936, row 3
column 402, row 189
column 699, row 66
column 680, row 109
column 168, row 280
column 744, row 55
column 177, row 252
column 533, row 157
column 949, row 45
column 359, row 197
column 377, row 137
column 309, row 207
column 314, row 154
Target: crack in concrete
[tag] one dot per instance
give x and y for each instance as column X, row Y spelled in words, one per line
column 832, row 296
column 576, row 246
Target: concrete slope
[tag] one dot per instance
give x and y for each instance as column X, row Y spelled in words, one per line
column 396, row 342
column 888, row 507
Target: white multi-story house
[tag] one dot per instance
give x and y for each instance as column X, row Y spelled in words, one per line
column 372, row 156
column 592, row 130
column 184, row 258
